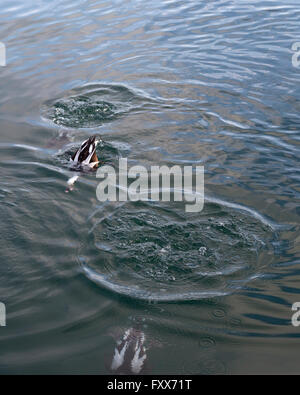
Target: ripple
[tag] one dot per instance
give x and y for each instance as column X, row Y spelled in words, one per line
column 212, row 366
column 207, row 342
column 219, row 313
column 92, row 105
column 148, row 251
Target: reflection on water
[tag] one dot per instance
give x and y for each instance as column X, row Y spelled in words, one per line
column 193, row 83
column 130, row 353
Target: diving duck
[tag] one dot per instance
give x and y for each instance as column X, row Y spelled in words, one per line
column 85, row 157
column 86, row 154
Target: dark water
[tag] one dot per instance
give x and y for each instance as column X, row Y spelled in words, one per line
column 175, row 83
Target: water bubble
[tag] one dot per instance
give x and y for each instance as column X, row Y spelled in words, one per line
column 160, row 254
column 92, row 105
column 219, row 313
column 207, row 342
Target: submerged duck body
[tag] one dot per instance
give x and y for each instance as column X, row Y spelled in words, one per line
column 84, row 157
column 86, row 154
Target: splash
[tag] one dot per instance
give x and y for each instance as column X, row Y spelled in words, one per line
column 148, row 251
column 92, row 105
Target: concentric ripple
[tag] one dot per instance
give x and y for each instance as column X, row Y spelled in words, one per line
column 151, row 251
column 92, row 105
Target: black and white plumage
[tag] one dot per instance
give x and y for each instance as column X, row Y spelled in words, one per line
column 85, row 157
column 130, row 353
column 86, row 154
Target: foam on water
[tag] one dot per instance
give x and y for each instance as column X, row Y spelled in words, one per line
column 92, row 105
column 149, row 251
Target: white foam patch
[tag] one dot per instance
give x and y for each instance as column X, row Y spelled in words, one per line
column 71, row 181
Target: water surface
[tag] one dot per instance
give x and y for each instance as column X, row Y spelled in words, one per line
column 178, row 83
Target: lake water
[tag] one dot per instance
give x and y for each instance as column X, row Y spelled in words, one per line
column 197, row 83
